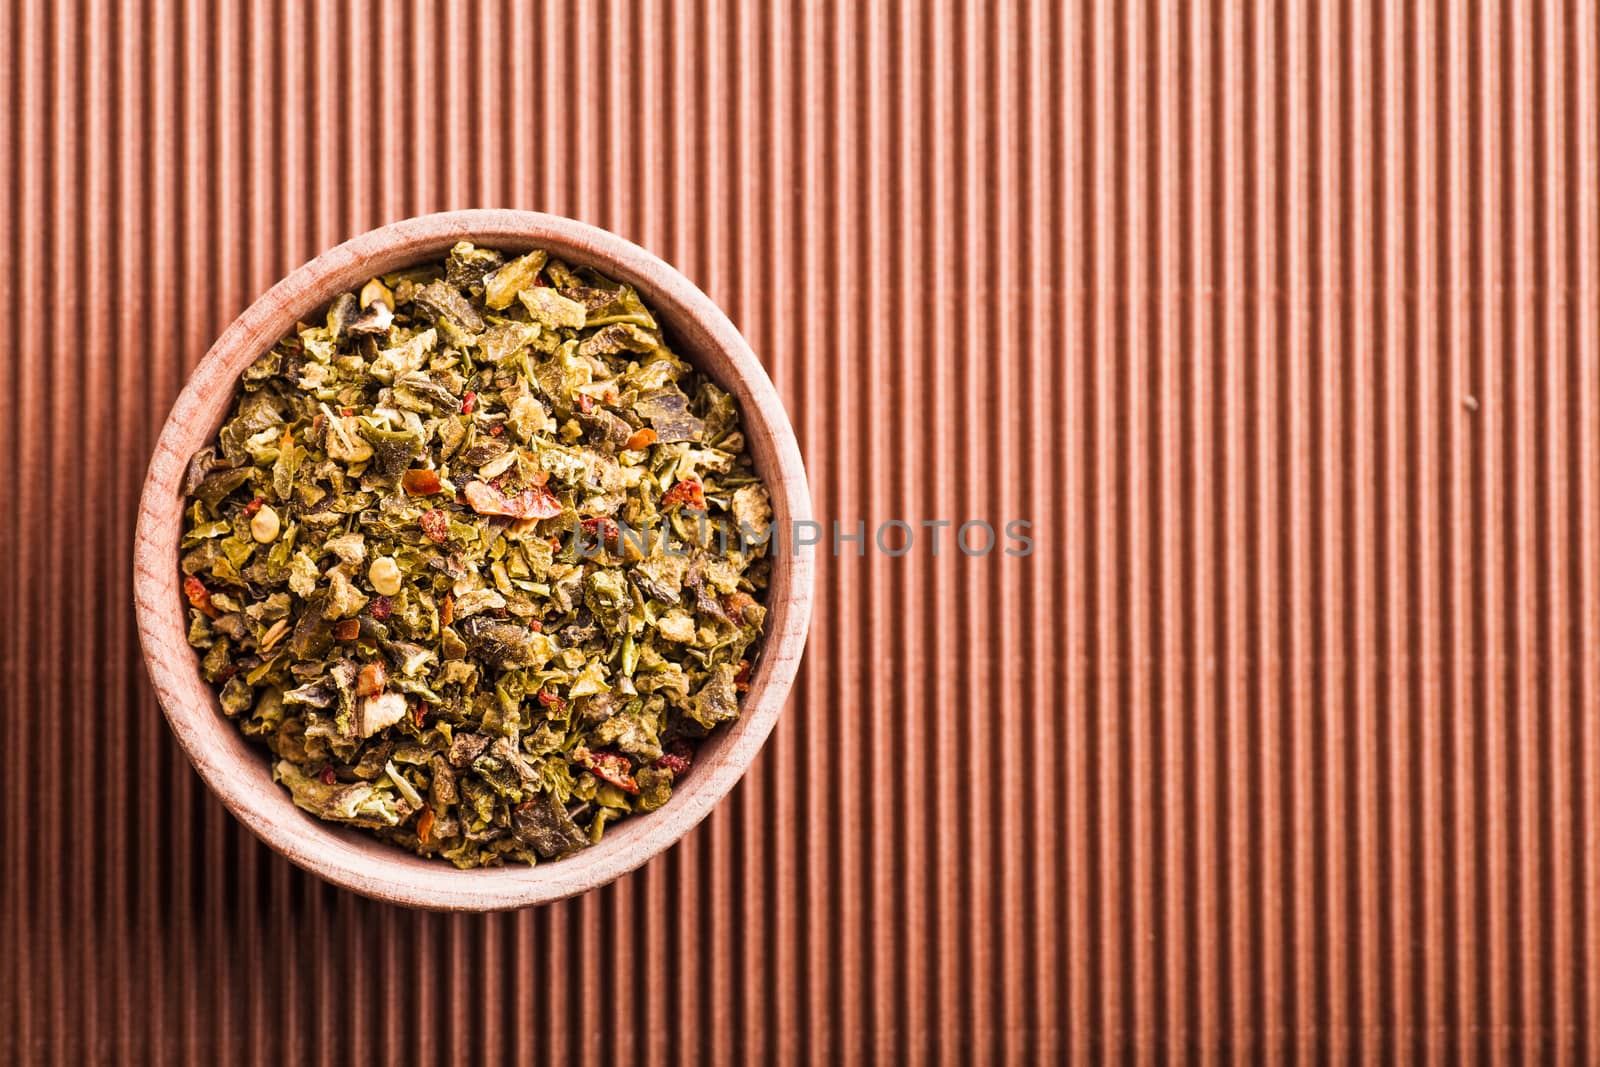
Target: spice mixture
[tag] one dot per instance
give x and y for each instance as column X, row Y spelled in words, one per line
column 478, row 558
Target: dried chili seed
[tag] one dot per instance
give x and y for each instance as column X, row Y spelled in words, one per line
column 265, row 526
column 435, row 526
column 420, row 482
column 385, row 576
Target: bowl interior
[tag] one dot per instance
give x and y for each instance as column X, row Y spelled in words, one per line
column 238, row 771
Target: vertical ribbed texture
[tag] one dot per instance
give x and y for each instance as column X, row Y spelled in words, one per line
column 1281, row 323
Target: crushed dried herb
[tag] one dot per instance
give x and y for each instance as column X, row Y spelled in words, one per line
column 466, row 558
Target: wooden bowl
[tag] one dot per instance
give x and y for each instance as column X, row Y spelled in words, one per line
column 237, row 770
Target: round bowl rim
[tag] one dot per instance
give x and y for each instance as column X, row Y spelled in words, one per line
column 367, row 864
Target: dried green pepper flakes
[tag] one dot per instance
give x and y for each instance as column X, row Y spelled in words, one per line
column 466, row 558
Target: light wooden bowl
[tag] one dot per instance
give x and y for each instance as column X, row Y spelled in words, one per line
column 238, row 771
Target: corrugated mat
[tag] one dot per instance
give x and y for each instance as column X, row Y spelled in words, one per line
column 1280, row 323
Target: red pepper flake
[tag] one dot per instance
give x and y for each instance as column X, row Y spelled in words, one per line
column 585, row 403
column 735, row 603
column 419, row 714
column 328, row 777
column 614, row 768
column 677, row 759
column 688, row 493
column 554, row 542
column 604, row 529
column 536, row 626
column 347, row 629
column 371, row 680
column 199, row 597
column 347, row 412
column 552, row 703
column 254, row 506
column 641, row 439
column 496, row 430
column 447, row 610
column 469, row 401
column 611, row 397
column 741, row 678
column 538, row 279
column 425, row 825
column 535, row 502
column 420, row 482
column 435, row 525
column 382, row 608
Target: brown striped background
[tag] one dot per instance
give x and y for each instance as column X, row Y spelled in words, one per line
column 1281, row 322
